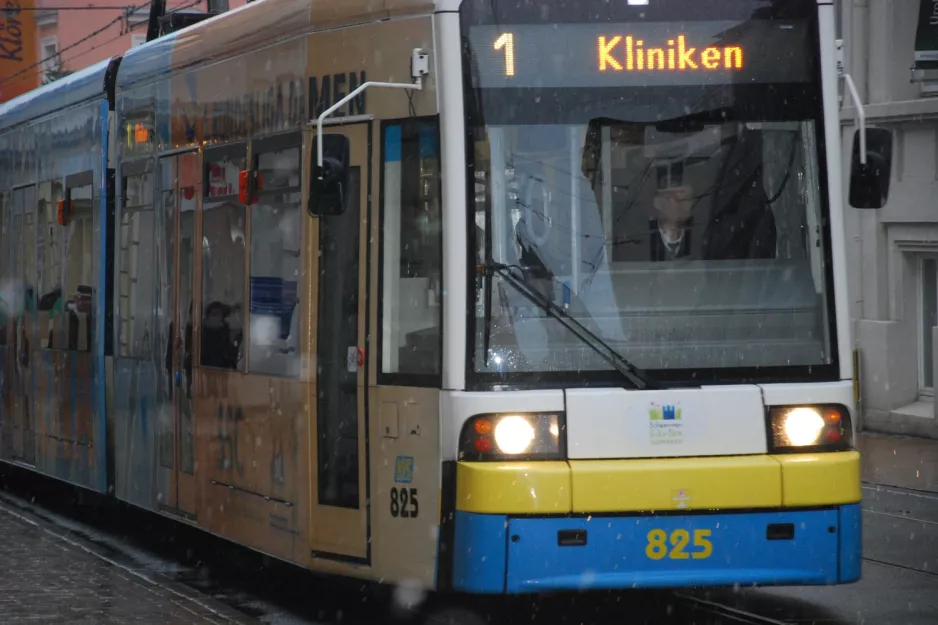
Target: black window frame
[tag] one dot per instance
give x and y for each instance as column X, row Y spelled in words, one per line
column 211, row 155
column 416, row 380
column 74, row 181
column 139, row 166
column 570, row 11
column 265, row 145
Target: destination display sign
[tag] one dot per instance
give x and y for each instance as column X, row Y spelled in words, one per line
column 641, row 54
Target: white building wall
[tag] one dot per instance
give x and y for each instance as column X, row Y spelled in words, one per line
column 887, row 245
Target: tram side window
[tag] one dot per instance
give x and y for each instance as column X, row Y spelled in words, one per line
column 6, row 311
column 48, row 296
column 411, row 339
column 137, row 287
column 275, row 266
column 23, row 265
column 79, row 270
column 223, row 252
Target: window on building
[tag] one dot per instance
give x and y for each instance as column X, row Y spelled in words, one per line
column 275, row 264
column 411, row 338
column 51, row 61
column 138, row 39
column 928, row 319
column 223, row 250
column 136, row 283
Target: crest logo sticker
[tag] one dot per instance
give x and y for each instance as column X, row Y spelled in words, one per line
column 404, row 469
column 665, row 425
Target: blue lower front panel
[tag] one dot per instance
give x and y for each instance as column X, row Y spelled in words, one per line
column 500, row 554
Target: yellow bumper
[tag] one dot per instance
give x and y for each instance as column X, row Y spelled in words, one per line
column 598, row 486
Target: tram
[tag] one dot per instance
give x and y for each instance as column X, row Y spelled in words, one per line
column 489, row 297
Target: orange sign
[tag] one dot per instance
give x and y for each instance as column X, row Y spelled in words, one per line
column 630, row 54
column 19, row 69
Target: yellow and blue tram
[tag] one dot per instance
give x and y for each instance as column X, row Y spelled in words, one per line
column 487, row 297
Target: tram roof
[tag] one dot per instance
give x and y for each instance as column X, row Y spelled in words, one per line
column 85, row 84
column 255, row 24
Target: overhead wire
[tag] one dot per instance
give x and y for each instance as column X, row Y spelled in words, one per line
column 58, row 55
column 106, row 7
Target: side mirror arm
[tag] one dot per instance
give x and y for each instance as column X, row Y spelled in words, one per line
column 860, row 115
column 419, row 67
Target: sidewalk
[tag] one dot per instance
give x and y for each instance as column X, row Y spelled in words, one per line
column 900, row 461
column 51, row 576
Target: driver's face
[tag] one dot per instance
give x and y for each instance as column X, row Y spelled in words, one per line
column 674, row 204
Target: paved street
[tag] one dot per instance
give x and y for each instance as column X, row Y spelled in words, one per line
column 48, row 576
column 52, row 574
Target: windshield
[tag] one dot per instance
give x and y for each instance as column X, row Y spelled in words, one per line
column 678, row 213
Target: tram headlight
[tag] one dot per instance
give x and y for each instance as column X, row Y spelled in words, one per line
column 513, row 436
column 825, row 427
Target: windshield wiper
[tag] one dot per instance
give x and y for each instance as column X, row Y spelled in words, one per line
column 633, row 374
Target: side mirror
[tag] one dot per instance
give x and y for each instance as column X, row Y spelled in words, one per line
column 328, row 186
column 869, row 183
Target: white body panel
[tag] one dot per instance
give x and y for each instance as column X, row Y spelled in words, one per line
column 453, row 174
column 713, row 421
column 814, row 393
column 610, row 422
column 457, row 407
column 835, row 191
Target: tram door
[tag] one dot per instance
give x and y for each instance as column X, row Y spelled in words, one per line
column 338, row 518
column 181, row 188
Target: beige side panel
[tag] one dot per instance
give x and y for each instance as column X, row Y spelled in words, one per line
column 382, row 51
column 259, row 24
column 405, row 483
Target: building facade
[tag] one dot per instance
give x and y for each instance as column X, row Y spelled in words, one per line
column 888, row 47
column 73, row 34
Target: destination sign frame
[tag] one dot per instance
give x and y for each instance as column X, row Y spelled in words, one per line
column 642, row 54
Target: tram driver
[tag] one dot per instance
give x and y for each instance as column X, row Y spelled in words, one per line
column 723, row 215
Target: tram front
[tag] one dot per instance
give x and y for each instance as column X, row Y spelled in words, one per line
column 659, row 299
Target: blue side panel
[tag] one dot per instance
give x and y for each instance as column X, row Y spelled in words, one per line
column 98, row 366
column 48, row 405
column 135, row 431
column 643, row 552
column 479, row 562
column 851, row 543
column 392, row 144
column 83, row 85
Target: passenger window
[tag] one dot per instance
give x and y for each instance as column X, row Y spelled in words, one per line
column 411, row 340
column 23, row 263
column 48, row 296
column 4, row 236
column 275, row 266
column 221, row 174
column 79, row 269
column 223, row 252
column 136, row 281
column 6, row 312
